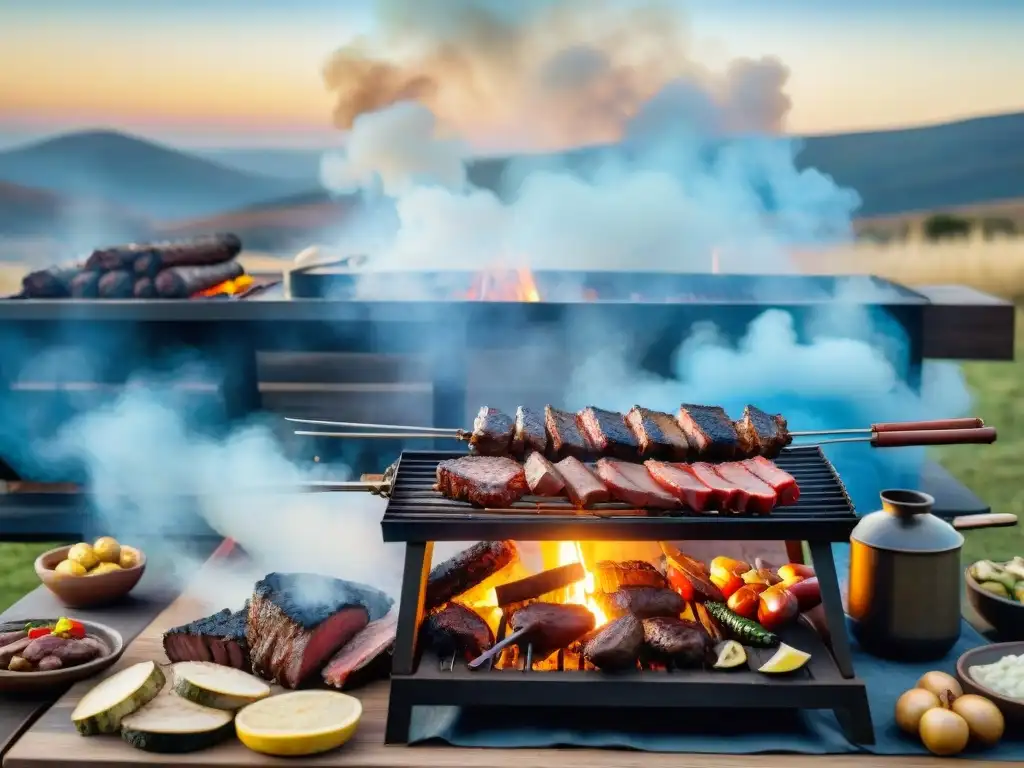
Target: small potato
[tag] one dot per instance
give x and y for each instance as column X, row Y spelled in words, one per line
column 49, row 663
column 76, row 652
column 47, row 645
column 20, row 664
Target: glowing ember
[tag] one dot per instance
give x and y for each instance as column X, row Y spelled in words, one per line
column 504, row 285
column 581, row 592
column 227, row 288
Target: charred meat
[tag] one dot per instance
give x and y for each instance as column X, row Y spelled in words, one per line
column 761, row 433
column 608, row 433
column 658, row 435
column 784, row 484
column 752, row 494
column 366, row 656
column 564, row 434
column 492, row 433
column 542, row 477
column 617, row 645
column 297, row 621
column 219, row 638
column 683, row 643
column 643, row 602
column 582, row 486
column 632, row 484
column 464, row 570
column 455, row 628
column 710, row 430
column 549, row 627
column 611, row 575
column 680, row 481
column 488, row 481
column 529, row 434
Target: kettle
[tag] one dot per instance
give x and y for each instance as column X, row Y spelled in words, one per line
column 904, row 586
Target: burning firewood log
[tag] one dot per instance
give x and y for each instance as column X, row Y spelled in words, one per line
column 183, row 282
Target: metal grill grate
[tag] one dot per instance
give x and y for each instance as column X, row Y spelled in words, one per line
column 416, row 512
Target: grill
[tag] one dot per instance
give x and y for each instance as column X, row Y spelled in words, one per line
column 419, row 516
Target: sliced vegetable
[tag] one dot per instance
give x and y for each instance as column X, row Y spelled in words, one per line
column 1015, row 568
column 69, row 628
column 217, row 686
column 172, row 724
column 299, row 723
column 795, row 571
column 729, row 655
column 807, row 593
column 727, row 574
column 39, row 632
column 760, row 576
column 986, row 570
column 744, row 601
column 995, row 588
column 785, row 660
column 777, row 607
column 742, row 629
column 102, row 709
column 711, row 625
column 1018, row 592
column 692, row 584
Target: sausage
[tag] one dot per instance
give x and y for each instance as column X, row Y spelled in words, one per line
column 46, row 645
column 50, row 283
column 183, row 282
column 85, row 285
column 49, row 663
column 116, row 285
column 464, row 570
column 101, row 647
column 6, row 638
column 11, row 650
column 200, row 251
column 76, row 652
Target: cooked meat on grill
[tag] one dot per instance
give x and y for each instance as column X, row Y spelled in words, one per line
column 643, row 602
column 709, row 430
column 784, row 484
column 492, row 433
column 684, row 643
column 551, row 626
column 182, row 282
column 723, row 493
column 489, row 481
column 464, row 570
column 565, row 438
column 632, row 484
column 298, row 620
column 761, row 433
column 583, row 486
column 752, row 494
column 366, row 656
column 612, row 574
column 680, row 481
column 617, row 645
column 658, row 434
column 608, row 433
column 529, row 434
column 219, row 638
column 542, row 477
column 457, row 629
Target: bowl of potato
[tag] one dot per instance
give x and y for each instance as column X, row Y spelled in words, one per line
column 85, row 575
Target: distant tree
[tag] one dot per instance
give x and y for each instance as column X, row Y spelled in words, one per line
column 943, row 225
column 1000, row 226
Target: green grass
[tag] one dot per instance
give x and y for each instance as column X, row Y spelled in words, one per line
column 17, row 576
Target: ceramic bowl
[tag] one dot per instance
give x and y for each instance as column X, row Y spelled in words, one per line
column 1006, row 616
column 87, row 591
column 28, row 681
column 1012, row 709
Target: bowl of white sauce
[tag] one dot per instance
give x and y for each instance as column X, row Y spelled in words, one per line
column 996, row 672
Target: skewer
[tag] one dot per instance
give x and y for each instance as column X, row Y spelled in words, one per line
column 360, row 425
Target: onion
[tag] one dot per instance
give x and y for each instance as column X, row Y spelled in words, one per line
column 944, row 732
column 983, row 718
column 941, row 684
column 911, row 706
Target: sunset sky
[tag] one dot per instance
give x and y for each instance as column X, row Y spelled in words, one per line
column 247, row 72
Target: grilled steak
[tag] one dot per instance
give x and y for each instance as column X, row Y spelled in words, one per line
column 684, row 643
column 551, row 626
column 752, row 494
column 709, row 430
column 564, row 433
column 616, row 646
column 464, row 570
column 658, row 435
column 219, row 638
column 489, row 481
column 680, row 481
column 542, row 477
column 581, row 484
column 366, row 656
column 628, row 573
column 723, row 493
column 631, row 483
column 783, row 483
column 492, row 433
column 298, row 620
column 529, row 433
column 642, row 602
column 608, row 433
column 761, row 433
column 457, row 629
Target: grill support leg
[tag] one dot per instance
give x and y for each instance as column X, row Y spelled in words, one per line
column 410, row 617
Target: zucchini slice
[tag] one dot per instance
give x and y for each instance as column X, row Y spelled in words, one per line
column 171, row 724
column 217, row 686
column 102, row 709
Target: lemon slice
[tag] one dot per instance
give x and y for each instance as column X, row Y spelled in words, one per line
column 730, row 655
column 298, row 723
column 786, row 659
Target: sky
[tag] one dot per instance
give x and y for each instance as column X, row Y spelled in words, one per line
column 247, row 73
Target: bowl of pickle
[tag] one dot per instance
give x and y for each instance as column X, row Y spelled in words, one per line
column 996, row 591
column 85, row 575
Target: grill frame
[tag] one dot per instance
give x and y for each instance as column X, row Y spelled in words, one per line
column 416, row 512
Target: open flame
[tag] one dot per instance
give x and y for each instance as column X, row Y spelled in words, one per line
column 582, row 592
column 504, row 285
column 226, row 288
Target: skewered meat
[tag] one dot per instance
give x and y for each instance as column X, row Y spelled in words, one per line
column 551, row 626
column 611, row 575
column 680, row 481
column 633, row 484
column 761, row 433
column 608, row 433
column 219, row 638
column 457, row 629
column 530, row 433
column 684, row 643
column 658, row 435
column 564, row 434
column 709, row 430
column 542, row 477
column 753, row 494
column 490, row 481
column 784, row 484
column 464, row 570
column 723, row 494
column 643, row 602
column 366, row 656
column 492, row 433
column 616, row 646
column 582, row 485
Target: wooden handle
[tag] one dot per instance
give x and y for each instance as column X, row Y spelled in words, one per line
column 990, row 520
column 985, row 435
column 495, row 650
column 923, row 426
